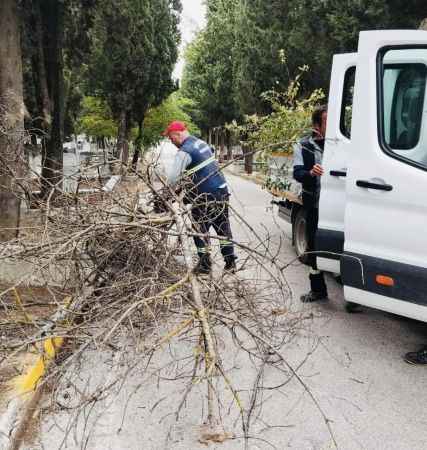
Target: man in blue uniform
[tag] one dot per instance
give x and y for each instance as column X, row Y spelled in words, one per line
column 206, row 190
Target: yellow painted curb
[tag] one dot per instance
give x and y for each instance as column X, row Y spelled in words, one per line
column 28, row 381
column 26, row 392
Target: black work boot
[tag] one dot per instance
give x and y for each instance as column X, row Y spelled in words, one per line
column 318, row 289
column 230, row 264
column 204, row 265
column 418, row 358
column 313, row 297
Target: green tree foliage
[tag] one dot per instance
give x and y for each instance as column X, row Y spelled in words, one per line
column 134, row 52
column 259, row 42
column 283, row 127
column 158, row 118
column 260, row 46
column 207, row 77
column 96, row 119
column 321, row 29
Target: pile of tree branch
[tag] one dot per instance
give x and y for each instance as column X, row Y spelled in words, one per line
column 129, row 274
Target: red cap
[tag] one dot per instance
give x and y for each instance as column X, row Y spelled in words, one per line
column 175, row 126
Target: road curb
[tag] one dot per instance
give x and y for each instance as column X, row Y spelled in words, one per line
column 25, row 390
column 25, row 397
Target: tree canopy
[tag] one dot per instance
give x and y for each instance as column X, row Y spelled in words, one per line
column 209, row 64
column 253, row 46
column 80, row 56
column 135, row 48
column 96, row 119
column 158, row 118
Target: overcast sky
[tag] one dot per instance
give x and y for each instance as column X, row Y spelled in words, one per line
column 192, row 19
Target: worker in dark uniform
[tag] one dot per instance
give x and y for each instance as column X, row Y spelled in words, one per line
column 308, row 155
column 207, row 192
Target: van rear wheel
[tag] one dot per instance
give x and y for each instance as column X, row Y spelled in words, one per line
column 299, row 235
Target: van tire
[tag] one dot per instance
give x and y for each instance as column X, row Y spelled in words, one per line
column 299, row 235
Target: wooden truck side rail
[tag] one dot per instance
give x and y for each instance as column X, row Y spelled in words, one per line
column 286, row 195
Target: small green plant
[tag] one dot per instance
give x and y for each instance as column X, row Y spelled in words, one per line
column 289, row 120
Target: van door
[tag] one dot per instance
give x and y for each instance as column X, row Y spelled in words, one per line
column 384, row 264
column 330, row 235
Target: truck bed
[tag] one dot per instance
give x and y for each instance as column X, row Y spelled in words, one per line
column 280, row 182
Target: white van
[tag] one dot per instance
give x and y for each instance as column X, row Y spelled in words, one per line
column 373, row 202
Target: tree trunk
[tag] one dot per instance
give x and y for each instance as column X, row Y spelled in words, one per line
column 229, row 146
column 53, row 12
column 216, row 143
column 423, row 24
column 44, row 105
column 100, row 142
column 122, row 143
column 222, row 155
column 138, row 146
column 121, row 135
column 11, row 118
column 249, row 159
column 125, row 158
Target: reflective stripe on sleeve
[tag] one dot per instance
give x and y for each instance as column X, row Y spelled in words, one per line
column 200, row 166
column 203, row 250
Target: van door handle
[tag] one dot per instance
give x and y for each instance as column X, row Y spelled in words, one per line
column 378, row 186
column 338, row 173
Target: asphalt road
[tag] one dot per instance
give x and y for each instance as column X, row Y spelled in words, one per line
column 370, row 397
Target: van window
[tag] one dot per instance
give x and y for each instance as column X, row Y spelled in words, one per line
column 404, row 128
column 347, row 102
